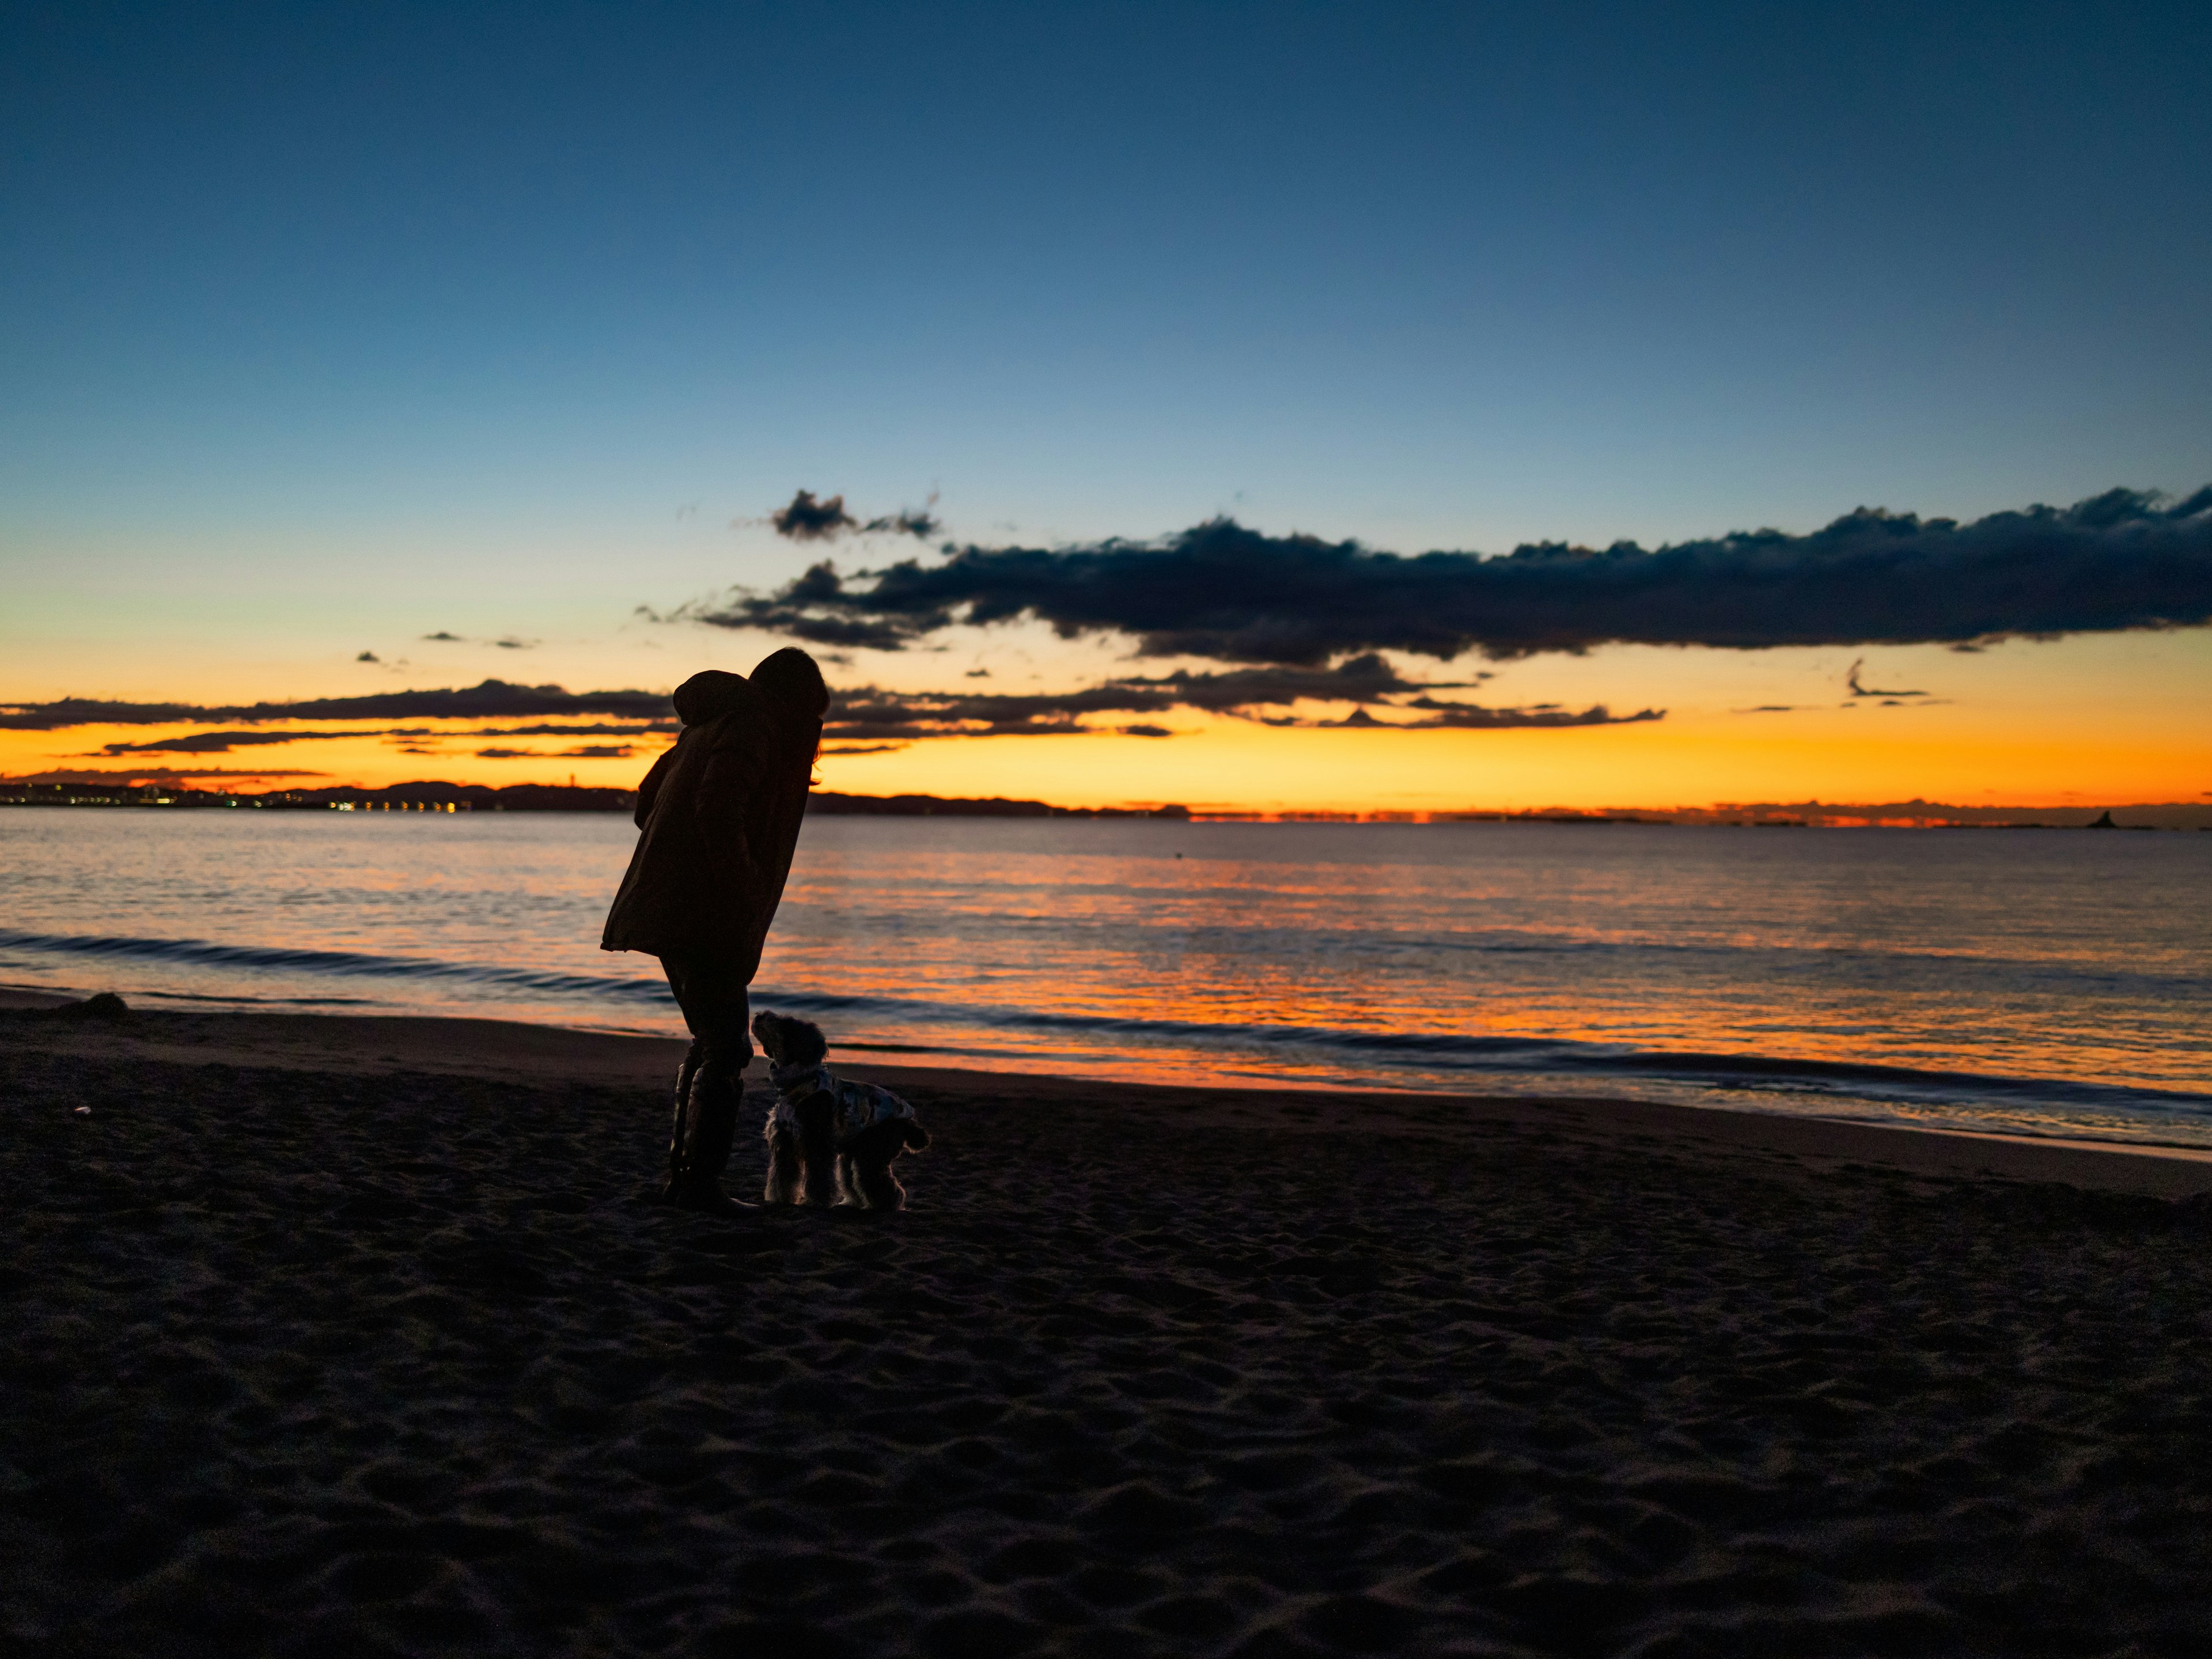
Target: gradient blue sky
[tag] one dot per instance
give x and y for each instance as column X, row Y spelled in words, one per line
column 331, row 324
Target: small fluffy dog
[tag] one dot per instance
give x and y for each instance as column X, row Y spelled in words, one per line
column 831, row 1140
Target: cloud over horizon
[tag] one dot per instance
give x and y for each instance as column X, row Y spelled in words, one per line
column 490, row 700
column 510, row 643
column 217, row 743
column 2125, row 560
column 1268, row 696
column 150, row 774
column 866, row 713
column 586, row 752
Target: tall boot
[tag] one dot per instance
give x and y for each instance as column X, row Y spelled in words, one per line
column 689, row 1070
column 710, row 1129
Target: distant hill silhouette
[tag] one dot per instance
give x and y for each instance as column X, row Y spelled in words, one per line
column 827, row 804
column 91, row 789
column 421, row 796
column 527, row 798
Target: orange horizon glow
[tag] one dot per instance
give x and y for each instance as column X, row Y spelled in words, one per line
column 1224, row 765
column 2092, row 720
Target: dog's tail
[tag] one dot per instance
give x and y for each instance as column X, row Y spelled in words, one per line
column 913, row 1134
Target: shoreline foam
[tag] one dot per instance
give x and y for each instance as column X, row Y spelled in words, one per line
column 1698, row 1082
column 522, row 1052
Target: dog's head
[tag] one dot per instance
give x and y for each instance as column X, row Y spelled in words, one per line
column 788, row 1042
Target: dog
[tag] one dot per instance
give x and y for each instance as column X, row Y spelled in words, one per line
column 831, row 1140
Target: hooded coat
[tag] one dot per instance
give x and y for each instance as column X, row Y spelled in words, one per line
column 718, row 815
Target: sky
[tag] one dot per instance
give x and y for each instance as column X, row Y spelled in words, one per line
column 356, row 351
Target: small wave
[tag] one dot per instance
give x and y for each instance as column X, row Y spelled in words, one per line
column 278, row 959
column 1447, row 1051
column 1406, row 1053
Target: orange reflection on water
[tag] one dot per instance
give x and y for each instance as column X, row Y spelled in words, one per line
column 1851, row 949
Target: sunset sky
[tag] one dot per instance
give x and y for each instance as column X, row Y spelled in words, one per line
column 352, row 352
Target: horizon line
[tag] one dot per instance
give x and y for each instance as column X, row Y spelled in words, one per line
column 1811, row 813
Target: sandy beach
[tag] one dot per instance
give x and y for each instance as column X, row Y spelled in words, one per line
column 343, row 1336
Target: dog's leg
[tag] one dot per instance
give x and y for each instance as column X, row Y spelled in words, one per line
column 848, row 1181
column 879, row 1188
column 818, row 1144
column 874, row 1186
column 785, row 1171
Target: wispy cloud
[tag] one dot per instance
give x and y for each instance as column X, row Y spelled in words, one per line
column 585, row 751
column 509, row 642
column 152, row 773
column 218, row 743
column 1271, row 696
column 1851, row 680
column 626, row 729
column 1356, row 679
column 2127, row 559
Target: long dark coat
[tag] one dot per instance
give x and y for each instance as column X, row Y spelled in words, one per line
column 719, row 816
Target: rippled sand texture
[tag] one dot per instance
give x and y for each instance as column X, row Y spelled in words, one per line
column 361, row 1364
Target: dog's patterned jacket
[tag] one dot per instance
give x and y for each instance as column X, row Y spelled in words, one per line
column 860, row 1105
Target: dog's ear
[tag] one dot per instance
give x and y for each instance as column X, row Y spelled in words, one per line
column 913, row 1134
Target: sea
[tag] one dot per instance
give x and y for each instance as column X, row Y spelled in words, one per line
column 2027, row 982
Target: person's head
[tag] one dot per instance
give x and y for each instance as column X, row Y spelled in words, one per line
column 793, row 679
column 709, row 693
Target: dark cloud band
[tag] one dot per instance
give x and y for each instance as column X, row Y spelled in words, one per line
column 222, row 742
column 2127, row 559
column 218, row 743
column 1271, row 695
column 492, row 700
column 1268, row 696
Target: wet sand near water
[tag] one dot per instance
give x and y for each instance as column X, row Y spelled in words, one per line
column 346, row 1336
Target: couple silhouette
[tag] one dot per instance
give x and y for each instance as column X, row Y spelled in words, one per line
column 718, row 817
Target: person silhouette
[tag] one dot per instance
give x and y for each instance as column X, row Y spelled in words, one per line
column 718, row 818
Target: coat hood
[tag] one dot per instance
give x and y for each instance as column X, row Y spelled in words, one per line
column 710, row 693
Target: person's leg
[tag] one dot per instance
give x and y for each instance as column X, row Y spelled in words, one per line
column 684, row 1073
column 678, row 979
column 714, row 1008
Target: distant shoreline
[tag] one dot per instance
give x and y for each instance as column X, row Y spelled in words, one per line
column 438, row 797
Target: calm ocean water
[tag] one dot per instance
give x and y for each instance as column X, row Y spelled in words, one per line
column 2046, row 982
